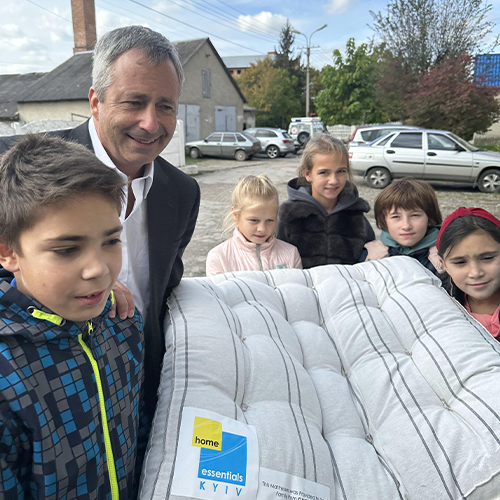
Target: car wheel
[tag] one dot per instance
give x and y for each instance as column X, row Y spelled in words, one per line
column 303, row 137
column 489, row 181
column 272, row 151
column 240, row 155
column 378, row 177
column 194, row 153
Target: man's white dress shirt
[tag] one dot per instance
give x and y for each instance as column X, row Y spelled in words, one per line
column 135, row 249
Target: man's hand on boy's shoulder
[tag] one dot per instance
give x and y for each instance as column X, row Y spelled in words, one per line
column 376, row 250
column 124, row 302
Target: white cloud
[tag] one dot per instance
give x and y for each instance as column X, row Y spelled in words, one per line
column 337, row 6
column 271, row 21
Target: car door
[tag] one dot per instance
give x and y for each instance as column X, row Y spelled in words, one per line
column 212, row 145
column 263, row 136
column 405, row 155
column 229, row 144
column 447, row 160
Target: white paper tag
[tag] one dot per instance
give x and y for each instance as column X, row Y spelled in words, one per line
column 217, row 458
column 275, row 485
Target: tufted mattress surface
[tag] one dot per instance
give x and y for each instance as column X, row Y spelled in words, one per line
column 363, row 382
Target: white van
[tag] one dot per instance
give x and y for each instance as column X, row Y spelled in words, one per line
column 302, row 128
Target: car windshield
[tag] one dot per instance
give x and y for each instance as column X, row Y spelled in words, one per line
column 464, row 143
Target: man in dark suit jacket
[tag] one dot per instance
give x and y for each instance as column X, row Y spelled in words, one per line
column 136, row 82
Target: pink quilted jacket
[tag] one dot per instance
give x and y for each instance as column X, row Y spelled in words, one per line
column 238, row 254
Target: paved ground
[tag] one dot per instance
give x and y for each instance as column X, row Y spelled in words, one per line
column 217, row 178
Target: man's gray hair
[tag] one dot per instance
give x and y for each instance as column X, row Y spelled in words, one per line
column 113, row 44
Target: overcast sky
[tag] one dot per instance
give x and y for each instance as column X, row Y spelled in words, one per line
column 37, row 35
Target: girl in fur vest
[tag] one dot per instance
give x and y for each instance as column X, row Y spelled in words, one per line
column 253, row 219
column 324, row 215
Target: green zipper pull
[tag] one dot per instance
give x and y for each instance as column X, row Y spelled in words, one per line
column 90, row 327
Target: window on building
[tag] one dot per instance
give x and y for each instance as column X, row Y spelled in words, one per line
column 205, row 82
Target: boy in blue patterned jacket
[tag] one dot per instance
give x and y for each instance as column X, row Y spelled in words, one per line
column 70, row 376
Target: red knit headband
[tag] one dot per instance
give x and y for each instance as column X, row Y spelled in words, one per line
column 461, row 212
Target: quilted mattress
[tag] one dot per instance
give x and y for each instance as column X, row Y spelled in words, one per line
column 360, row 382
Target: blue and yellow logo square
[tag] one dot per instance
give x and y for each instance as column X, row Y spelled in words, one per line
column 207, row 433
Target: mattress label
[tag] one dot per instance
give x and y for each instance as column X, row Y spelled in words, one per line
column 217, row 457
column 275, row 485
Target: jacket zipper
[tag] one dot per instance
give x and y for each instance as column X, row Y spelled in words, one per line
column 258, row 257
column 107, row 441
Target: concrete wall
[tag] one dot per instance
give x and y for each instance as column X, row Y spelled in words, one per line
column 57, row 110
column 491, row 137
column 223, row 92
column 174, row 152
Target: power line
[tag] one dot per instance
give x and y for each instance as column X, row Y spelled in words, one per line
column 47, row 10
column 193, row 27
column 137, row 18
column 220, row 22
column 232, row 19
column 243, row 14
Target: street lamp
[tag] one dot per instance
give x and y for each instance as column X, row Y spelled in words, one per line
column 308, row 42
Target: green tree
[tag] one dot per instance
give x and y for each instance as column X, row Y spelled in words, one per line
column 348, row 95
column 422, row 33
column 284, row 53
column 395, row 81
column 272, row 91
column 284, row 59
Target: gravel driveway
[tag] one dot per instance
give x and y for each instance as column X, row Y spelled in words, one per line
column 217, row 178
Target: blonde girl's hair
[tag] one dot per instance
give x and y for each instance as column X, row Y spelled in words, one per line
column 250, row 192
column 323, row 144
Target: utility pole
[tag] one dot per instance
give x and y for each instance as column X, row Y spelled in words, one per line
column 308, row 52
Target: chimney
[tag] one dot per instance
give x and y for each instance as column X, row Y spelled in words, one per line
column 84, row 31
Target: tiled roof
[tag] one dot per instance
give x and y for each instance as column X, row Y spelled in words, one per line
column 11, row 86
column 72, row 79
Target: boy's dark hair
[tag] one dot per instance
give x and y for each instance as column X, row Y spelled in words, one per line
column 40, row 171
column 461, row 228
column 407, row 194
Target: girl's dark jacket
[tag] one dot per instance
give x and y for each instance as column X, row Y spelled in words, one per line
column 323, row 238
column 53, row 442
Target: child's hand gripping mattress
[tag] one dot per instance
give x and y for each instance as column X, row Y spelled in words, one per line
column 363, row 382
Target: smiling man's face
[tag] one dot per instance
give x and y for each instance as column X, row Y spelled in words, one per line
column 137, row 116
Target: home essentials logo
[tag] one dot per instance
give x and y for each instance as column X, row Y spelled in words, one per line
column 223, row 455
column 217, row 458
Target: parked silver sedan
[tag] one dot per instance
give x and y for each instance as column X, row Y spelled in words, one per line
column 275, row 141
column 237, row 145
column 433, row 155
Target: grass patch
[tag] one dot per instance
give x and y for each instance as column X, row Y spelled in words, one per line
column 491, row 147
column 192, row 161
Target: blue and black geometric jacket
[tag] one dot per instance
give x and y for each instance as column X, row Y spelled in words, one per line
column 70, row 396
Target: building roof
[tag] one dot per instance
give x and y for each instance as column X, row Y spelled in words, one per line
column 72, row 79
column 188, row 48
column 488, row 67
column 240, row 62
column 11, row 86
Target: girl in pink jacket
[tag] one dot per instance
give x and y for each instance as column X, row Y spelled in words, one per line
column 253, row 246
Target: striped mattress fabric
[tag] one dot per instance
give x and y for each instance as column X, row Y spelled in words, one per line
column 368, row 379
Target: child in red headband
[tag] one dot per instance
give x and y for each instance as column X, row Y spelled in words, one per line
column 469, row 249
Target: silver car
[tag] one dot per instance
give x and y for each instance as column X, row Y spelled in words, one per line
column 237, row 145
column 433, row 155
column 275, row 141
column 365, row 135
